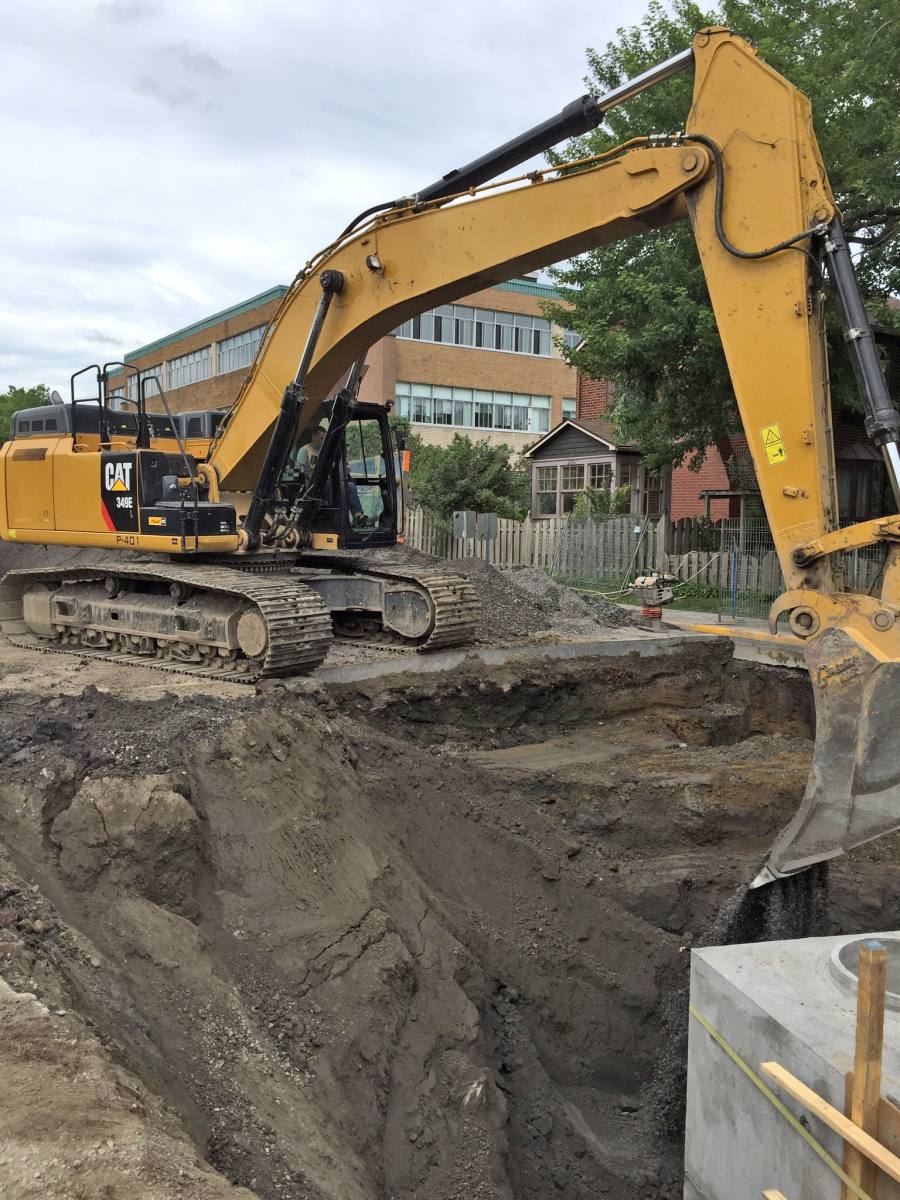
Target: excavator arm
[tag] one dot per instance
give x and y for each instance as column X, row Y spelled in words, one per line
column 748, row 174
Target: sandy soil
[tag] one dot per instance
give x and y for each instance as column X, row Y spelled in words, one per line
column 403, row 939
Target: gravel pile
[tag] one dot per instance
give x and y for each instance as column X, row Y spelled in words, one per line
column 523, row 601
column 505, row 612
column 556, row 598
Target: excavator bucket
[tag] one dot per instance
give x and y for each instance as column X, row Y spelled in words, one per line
column 853, row 792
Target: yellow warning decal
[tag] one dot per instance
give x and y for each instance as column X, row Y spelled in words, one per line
column 156, row 520
column 774, row 445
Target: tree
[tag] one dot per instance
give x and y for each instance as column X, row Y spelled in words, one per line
column 468, row 475
column 15, row 398
column 642, row 304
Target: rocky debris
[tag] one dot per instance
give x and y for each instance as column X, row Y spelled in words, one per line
column 139, row 835
column 569, row 603
column 72, row 1123
column 504, row 616
column 115, row 735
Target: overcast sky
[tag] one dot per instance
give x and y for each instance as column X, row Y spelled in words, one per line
column 168, row 158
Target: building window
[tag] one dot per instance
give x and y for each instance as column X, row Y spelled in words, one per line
column 190, row 368
column 236, row 352
column 569, row 408
column 571, row 339
column 545, row 486
column 483, row 328
column 159, row 372
column 468, row 408
column 571, row 483
column 601, row 476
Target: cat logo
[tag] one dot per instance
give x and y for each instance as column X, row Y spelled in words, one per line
column 117, row 476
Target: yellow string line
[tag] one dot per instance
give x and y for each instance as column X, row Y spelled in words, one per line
column 780, row 1107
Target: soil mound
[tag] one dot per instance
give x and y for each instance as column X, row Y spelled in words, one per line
column 556, row 597
column 523, row 601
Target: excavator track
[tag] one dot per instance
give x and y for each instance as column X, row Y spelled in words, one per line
column 454, row 599
column 298, row 626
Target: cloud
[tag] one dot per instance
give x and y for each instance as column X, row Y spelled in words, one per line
column 171, row 160
column 127, row 12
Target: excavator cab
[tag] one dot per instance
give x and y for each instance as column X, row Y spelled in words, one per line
column 348, row 497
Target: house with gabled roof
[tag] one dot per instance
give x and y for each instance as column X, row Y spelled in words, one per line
column 582, row 453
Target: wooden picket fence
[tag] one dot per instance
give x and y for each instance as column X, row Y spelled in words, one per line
column 612, row 548
column 517, row 544
column 734, row 559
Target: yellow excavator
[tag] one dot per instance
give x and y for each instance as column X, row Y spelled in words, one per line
column 244, row 546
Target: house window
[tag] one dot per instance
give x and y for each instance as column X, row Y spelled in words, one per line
column 236, row 352
column 545, row 486
column 465, row 408
column 571, row 339
column 652, row 497
column 628, row 473
column 571, row 483
column 569, row 408
column 601, row 476
column 483, row 328
column 190, row 368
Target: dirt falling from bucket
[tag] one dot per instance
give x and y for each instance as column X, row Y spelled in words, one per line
column 792, row 907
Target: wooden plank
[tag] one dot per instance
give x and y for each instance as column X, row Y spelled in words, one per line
column 773, row 1194
column 836, row 1121
column 889, row 1136
column 865, row 1092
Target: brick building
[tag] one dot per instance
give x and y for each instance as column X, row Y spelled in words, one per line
column 487, row 366
column 203, row 365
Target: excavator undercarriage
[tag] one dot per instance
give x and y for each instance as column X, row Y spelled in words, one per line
column 274, row 618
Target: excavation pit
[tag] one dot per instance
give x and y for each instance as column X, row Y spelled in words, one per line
column 409, row 936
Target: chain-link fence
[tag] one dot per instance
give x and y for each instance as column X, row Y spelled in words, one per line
column 750, row 575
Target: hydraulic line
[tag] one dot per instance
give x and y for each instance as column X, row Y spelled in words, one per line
column 332, row 283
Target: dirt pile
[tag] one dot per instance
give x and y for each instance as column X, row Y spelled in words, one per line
column 570, row 604
column 107, row 1131
column 523, row 602
column 409, row 939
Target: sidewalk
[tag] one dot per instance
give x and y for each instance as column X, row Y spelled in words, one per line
column 752, row 640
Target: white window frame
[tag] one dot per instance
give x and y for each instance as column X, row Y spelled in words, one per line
column 481, row 329
column 504, row 412
column 196, row 365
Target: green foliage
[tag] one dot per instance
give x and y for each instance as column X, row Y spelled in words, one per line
column 16, row 398
column 601, row 502
column 468, row 474
column 642, row 304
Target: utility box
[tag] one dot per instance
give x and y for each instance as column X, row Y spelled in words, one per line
column 486, row 526
column 464, row 524
column 794, row 1003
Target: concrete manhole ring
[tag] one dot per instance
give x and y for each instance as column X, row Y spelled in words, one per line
column 844, row 958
